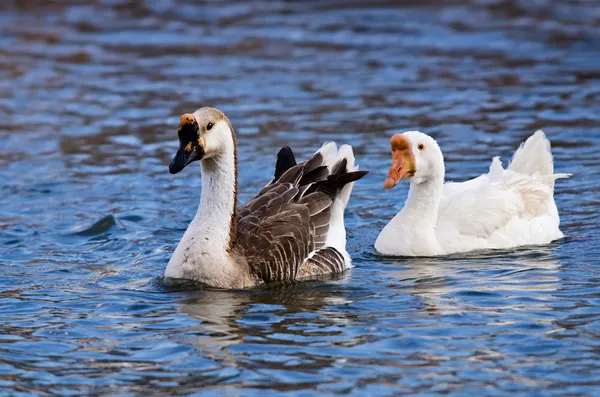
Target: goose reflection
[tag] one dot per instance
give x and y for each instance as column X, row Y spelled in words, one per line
column 454, row 284
column 299, row 314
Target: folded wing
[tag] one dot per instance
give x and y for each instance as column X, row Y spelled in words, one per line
column 288, row 221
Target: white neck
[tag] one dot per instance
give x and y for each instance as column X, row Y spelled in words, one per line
column 412, row 231
column 421, row 207
column 218, row 201
column 420, row 211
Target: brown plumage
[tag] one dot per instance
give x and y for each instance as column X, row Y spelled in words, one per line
column 289, row 219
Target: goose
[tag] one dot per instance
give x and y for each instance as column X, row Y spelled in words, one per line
column 504, row 208
column 292, row 229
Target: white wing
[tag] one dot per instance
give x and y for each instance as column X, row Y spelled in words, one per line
column 483, row 205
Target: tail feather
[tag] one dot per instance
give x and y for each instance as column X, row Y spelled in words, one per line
column 346, row 152
column 340, row 167
column 496, row 170
column 344, row 173
column 334, row 185
column 329, row 151
column 285, row 161
column 534, row 157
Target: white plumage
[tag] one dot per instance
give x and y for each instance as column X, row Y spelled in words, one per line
column 501, row 209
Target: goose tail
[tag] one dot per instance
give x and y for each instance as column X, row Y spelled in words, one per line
column 534, row 157
column 344, row 171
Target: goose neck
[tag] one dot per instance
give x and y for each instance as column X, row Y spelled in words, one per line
column 217, row 212
column 423, row 201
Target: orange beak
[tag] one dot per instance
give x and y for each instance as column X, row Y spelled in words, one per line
column 403, row 161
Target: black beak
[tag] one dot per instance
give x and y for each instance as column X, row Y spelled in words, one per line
column 191, row 146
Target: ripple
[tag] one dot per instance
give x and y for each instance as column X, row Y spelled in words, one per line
column 92, row 94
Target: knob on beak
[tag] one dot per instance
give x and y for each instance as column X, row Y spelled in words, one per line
column 186, row 119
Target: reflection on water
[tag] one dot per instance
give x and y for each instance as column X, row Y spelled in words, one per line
column 230, row 318
column 91, row 97
column 440, row 280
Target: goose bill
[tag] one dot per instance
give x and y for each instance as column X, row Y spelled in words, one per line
column 403, row 166
column 398, row 170
column 191, row 145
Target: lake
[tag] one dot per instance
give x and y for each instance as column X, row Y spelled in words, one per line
column 92, row 92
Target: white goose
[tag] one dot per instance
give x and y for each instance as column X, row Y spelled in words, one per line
column 293, row 228
column 500, row 209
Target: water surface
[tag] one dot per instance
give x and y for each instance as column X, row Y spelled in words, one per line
column 89, row 216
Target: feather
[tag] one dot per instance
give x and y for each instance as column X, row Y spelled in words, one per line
column 284, row 228
column 326, row 260
column 285, row 161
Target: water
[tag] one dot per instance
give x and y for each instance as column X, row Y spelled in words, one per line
column 91, row 97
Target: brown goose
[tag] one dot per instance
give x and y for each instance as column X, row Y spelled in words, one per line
column 293, row 228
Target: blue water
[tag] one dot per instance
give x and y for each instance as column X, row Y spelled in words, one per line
column 89, row 215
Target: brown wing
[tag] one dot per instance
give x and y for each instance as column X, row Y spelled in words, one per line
column 288, row 219
column 277, row 232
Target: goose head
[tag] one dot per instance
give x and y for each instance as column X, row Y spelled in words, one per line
column 416, row 157
column 204, row 134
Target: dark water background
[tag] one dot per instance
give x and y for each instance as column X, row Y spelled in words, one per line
column 91, row 93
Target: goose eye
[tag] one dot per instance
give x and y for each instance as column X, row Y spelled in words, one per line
column 421, row 146
column 209, row 126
